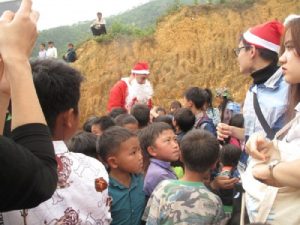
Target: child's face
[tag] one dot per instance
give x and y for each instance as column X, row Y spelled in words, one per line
column 187, row 103
column 96, row 129
column 166, row 147
column 129, row 157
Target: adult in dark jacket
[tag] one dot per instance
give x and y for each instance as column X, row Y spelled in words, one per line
column 70, row 56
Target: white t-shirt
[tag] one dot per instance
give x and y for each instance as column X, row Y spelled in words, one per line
column 51, row 53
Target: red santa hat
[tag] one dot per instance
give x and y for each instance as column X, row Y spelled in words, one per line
column 265, row 35
column 141, row 68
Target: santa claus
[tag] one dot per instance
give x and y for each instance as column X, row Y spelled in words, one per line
column 132, row 90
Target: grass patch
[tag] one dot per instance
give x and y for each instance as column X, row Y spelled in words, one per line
column 119, row 30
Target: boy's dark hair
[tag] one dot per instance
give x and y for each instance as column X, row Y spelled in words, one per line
column 264, row 53
column 117, row 111
column 142, row 114
column 200, row 150
column 149, row 134
column 111, row 139
column 124, row 119
column 104, row 122
column 185, row 119
column 87, row 126
column 83, row 142
column 237, row 120
column 196, row 95
column 230, row 155
column 50, row 42
column 161, row 109
column 166, row 119
column 175, row 105
column 58, row 87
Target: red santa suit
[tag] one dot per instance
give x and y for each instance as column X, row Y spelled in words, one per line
column 127, row 92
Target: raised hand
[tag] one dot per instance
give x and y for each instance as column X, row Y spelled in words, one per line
column 223, row 131
column 18, row 31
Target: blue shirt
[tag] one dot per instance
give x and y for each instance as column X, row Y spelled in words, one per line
column 158, row 170
column 127, row 203
column 272, row 98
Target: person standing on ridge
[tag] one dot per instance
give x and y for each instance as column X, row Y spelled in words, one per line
column 70, row 56
column 42, row 51
column 51, row 51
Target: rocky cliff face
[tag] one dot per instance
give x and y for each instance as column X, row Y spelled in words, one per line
column 193, row 47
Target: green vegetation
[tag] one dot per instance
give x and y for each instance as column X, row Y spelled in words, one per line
column 120, row 30
column 137, row 22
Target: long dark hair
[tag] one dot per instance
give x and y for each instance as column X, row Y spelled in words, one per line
column 294, row 92
column 223, row 105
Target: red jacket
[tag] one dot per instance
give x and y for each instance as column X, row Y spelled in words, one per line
column 117, row 95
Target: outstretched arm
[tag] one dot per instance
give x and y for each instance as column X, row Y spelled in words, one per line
column 15, row 48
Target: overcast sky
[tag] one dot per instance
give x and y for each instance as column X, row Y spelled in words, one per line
column 55, row 13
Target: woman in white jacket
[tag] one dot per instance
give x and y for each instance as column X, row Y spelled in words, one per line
column 272, row 182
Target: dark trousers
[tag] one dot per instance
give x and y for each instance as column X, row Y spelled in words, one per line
column 99, row 31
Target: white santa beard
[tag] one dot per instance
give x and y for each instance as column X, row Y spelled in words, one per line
column 141, row 92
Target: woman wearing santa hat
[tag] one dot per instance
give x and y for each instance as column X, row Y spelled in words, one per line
column 266, row 100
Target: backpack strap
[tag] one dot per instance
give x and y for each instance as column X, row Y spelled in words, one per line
column 270, row 133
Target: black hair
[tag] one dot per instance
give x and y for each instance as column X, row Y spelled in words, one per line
column 142, row 114
column 264, row 53
column 237, row 120
column 111, row 139
column 197, row 95
column 223, row 105
column 58, row 87
column 87, row 126
column 124, row 119
column 166, row 119
column 185, row 119
column 50, row 42
column 209, row 97
column 199, row 150
column 175, row 105
column 43, row 44
column 83, row 142
column 104, row 122
column 117, row 111
column 149, row 134
column 230, row 155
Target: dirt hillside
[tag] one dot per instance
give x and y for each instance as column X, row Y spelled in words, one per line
column 193, row 47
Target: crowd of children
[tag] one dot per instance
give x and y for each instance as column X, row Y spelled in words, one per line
column 164, row 158
column 185, row 165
